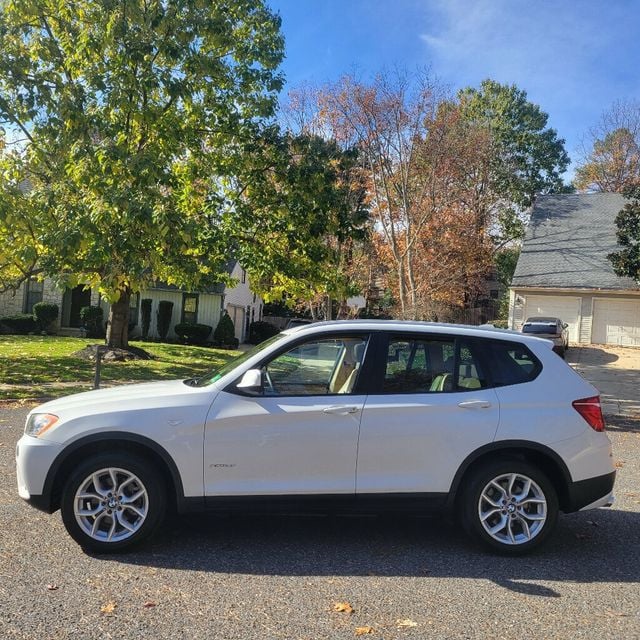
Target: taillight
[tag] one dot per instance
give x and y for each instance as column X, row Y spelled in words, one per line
column 591, row 410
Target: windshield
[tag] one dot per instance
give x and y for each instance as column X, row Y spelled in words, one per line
column 539, row 327
column 216, row 374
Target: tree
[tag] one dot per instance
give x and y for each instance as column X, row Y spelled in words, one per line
column 611, row 153
column 130, row 114
column 525, row 156
column 626, row 261
column 300, row 203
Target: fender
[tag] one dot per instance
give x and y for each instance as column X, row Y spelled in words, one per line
column 46, row 501
column 507, row 445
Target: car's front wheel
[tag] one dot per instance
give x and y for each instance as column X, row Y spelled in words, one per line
column 113, row 501
column 509, row 505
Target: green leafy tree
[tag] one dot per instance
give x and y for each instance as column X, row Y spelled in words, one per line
column 296, row 216
column 626, row 261
column 129, row 114
column 524, row 157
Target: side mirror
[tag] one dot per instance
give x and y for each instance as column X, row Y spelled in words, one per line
column 251, row 381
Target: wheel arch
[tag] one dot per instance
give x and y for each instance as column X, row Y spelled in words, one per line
column 104, row 442
column 547, row 460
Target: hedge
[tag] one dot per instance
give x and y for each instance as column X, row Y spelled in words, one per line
column 192, row 332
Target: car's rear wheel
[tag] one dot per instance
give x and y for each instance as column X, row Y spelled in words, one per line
column 112, row 502
column 509, row 505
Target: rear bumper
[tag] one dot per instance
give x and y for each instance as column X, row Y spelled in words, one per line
column 591, row 493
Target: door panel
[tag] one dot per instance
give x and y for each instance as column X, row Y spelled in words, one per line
column 289, row 445
column 417, row 442
column 430, row 411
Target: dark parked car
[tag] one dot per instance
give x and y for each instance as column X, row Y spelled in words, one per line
column 550, row 328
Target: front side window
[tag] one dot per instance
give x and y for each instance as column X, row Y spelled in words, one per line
column 319, row 367
column 32, row 294
column 431, row 365
column 190, row 307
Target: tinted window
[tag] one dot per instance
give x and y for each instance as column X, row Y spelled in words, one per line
column 429, row 366
column 540, row 327
column 511, row 363
column 317, row 367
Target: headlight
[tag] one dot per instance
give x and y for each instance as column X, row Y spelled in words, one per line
column 38, row 423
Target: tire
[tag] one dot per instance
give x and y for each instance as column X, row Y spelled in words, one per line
column 102, row 520
column 514, row 522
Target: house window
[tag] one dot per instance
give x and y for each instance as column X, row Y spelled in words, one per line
column 134, row 307
column 190, row 307
column 32, row 294
column 244, row 276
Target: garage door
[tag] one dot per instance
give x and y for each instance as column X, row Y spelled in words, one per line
column 565, row 308
column 616, row 322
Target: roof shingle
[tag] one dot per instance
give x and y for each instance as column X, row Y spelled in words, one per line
column 567, row 242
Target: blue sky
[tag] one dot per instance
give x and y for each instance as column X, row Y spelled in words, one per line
column 573, row 58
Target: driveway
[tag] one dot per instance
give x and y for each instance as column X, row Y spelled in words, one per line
column 615, row 371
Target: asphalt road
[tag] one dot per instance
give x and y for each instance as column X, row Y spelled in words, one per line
column 282, row 577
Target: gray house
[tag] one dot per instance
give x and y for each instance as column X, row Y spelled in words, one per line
column 563, row 270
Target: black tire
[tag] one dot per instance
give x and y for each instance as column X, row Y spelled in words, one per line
column 515, row 538
column 130, row 520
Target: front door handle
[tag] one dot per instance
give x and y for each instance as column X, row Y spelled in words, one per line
column 340, row 410
column 474, row 404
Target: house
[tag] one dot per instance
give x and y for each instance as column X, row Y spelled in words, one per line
column 204, row 306
column 563, row 270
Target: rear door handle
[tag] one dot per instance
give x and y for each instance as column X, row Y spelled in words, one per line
column 474, row 404
column 340, row 410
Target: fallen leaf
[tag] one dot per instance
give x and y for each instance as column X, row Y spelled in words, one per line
column 593, row 523
column 363, row 631
column 52, row 587
column 616, row 614
column 619, row 464
column 343, row 607
column 582, row 536
column 148, row 605
column 108, row 608
column 406, row 623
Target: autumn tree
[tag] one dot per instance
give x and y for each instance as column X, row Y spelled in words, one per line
column 611, row 152
column 130, row 115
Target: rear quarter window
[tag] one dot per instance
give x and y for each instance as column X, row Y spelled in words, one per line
column 511, row 363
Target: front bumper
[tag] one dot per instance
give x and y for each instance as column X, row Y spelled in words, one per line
column 34, row 458
column 591, row 493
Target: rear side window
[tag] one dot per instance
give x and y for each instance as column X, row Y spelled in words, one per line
column 431, row 365
column 511, row 363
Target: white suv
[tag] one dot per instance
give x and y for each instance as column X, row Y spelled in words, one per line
column 358, row 415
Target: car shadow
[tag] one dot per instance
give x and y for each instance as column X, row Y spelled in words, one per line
column 587, row 547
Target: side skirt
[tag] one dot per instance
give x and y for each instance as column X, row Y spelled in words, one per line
column 332, row 503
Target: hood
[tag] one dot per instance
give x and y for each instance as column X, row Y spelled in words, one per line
column 128, row 396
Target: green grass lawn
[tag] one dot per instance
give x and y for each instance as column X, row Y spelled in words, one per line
column 41, row 366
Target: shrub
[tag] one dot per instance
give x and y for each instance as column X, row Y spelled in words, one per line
column 260, row 331
column 193, row 333
column 145, row 313
column 225, row 333
column 45, row 314
column 163, row 318
column 21, row 323
column 499, row 324
column 92, row 320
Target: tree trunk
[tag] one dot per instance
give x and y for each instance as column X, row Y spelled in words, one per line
column 118, row 323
